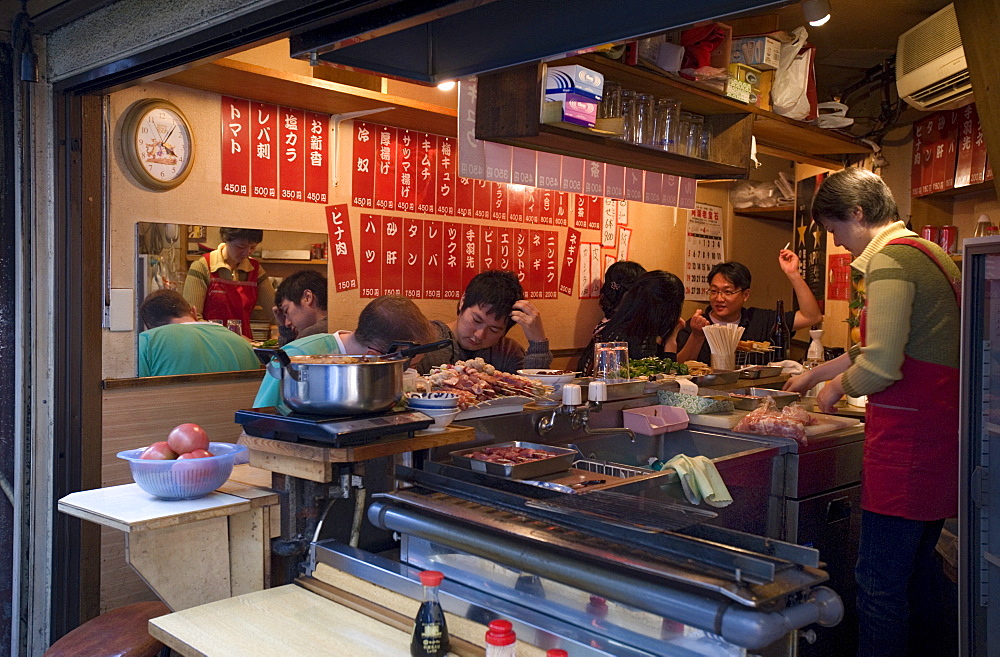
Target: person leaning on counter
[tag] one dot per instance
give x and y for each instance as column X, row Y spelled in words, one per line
column 492, row 303
column 728, row 290
column 176, row 343
column 383, row 321
column 227, row 283
column 300, row 304
column 907, row 364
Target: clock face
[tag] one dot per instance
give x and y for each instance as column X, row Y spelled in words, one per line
column 157, row 144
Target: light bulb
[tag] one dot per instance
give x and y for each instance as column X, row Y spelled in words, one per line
column 817, row 12
column 447, row 85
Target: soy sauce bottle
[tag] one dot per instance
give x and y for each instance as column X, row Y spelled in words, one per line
column 430, row 634
column 781, row 335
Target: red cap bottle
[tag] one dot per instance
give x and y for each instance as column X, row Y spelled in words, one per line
column 500, row 639
column 556, row 652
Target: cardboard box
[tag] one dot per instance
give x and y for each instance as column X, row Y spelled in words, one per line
column 569, row 108
column 745, row 73
column 761, row 95
column 761, row 52
column 738, row 90
column 574, row 80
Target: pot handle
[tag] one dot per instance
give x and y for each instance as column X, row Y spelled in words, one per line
column 267, row 357
column 411, row 350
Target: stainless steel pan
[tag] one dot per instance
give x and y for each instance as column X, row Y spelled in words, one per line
column 342, row 384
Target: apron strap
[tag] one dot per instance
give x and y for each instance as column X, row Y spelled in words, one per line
column 955, row 283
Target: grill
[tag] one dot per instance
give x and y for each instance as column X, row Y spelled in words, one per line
column 637, row 512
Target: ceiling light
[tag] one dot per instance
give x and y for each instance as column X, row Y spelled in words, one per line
column 447, row 85
column 817, row 12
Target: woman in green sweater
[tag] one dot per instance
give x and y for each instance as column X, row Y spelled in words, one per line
column 907, row 364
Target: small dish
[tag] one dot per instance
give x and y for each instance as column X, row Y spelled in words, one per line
column 557, row 381
column 441, row 421
column 422, row 400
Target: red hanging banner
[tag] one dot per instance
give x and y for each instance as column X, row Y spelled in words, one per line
column 536, row 274
column 520, row 237
column 338, row 224
column 505, row 248
column 363, row 176
column 550, row 287
column 263, row 154
column 392, row 256
column 452, row 251
column 595, row 211
column 515, row 203
column 235, row 146
column 580, row 211
column 433, row 259
column 488, row 247
column 532, row 212
column 317, row 163
column 291, row 154
column 371, row 256
column 482, row 206
column 464, row 197
column 470, row 253
column 426, row 172
column 499, row 210
column 385, row 168
column 446, row 177
column 546, row 206
column 562, row 208
column 571, row 254
column 406, row 170
column 413, row 259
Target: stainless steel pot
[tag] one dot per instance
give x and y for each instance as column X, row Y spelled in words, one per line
column 342, row 384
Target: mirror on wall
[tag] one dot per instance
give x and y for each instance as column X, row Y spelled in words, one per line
column 166, row 253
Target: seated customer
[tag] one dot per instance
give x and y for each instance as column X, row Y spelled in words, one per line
column 728, row 290
column 648, row 318
column 493, row 302
column 176, row 343
column 383, row 321
column 618, row 280
column 300, row 304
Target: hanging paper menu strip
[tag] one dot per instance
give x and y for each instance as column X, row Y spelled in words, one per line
column 470, row 252
column 596, row 271
column 549, row 171
column 488, row 247
column 505, row 248
column 523, row 167
column 235, row 146
column 363, row 171
column 464, row 197
column 624, row 239
column 446, row 178
column 562, row 208
column 406, row 168
column 392, row 256
column 263, row 155
column 482, row 195
column 426, row 173
column 570, row 261
column 471, row 156
column 595, row 208
column 633, row 184
column 686, row 191
column 966, row 132
column 609, row 223
column 515, row 203
column 593, row 180
column 291, row 154
column 499, row 210
column 385, row 168
column 653, row 187
column 572, row 175
column 614, row 181
column 371, row 256
column 546, row 206
column 521, row 254
column 536, row 274
column 584, row 290
column 338, row 224
column 550, row 287
column 317, row 163
column 531, row 209
column 433, row 259
column 670, row 190
column 413, row 259
column 499, row 159
column 452, row 284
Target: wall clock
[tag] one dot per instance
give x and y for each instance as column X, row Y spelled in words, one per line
column 157, row 146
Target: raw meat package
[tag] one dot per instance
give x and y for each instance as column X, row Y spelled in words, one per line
column 767, row 420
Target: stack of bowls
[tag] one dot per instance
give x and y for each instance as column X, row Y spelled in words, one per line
column 555, row 378
column 442, row 407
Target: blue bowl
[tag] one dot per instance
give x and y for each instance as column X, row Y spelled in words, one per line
column 418, row 400
column 183, row 479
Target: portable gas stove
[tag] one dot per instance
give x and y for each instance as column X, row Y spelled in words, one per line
column 339, row 431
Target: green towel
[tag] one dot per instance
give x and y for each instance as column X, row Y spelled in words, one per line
column 700, row 480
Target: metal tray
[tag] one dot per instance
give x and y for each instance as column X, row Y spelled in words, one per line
column 716, row 378
column 624, row 390
column 760, row 371
column 530, row 470
column 781, row 398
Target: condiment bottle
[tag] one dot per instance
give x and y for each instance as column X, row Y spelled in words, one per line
column 984, row 226
column 556, row 652
column 500, row 639
column 781, row 336
column 430, row 634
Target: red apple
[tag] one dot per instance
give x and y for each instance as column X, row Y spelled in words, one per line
column 159, row 451
column 187, row 437
column 196, row 454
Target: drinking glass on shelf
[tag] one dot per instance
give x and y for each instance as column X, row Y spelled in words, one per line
column 643, row 126
column 628, row 114
column 611, row 361
column 683, row 127
column 692, row 145
column 235, row 325
column 705, row 142
column 611, row 101
column 665, row 120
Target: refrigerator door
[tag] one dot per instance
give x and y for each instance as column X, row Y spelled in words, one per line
column 979, row 520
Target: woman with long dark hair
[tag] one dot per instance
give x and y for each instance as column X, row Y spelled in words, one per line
column 647, row 318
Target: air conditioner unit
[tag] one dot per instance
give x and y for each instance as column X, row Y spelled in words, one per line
column 931, row 73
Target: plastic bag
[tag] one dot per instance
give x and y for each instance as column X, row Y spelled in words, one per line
column 789, row 92
column 751, row 194
column 832, row 116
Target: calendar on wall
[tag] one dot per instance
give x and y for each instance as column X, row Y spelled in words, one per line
column 703, row 249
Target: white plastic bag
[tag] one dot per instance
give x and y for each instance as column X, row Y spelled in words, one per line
column 832, row 116
column 791, row 81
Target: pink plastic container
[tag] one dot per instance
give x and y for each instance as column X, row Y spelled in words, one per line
column 654, row 420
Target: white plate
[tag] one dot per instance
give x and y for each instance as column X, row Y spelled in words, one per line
column 498, row 406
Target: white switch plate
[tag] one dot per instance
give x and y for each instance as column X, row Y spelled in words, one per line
column 121, row 316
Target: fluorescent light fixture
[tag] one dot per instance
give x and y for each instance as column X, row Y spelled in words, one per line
column 817, row 12
column 447, row 85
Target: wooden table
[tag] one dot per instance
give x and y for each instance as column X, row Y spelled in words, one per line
column 191, row 551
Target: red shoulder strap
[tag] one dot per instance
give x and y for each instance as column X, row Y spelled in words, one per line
column 955, row 282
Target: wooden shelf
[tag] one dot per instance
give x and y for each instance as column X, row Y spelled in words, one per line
column 784, row 213
column 191, row 257
column 243, row 80
column 977, row 188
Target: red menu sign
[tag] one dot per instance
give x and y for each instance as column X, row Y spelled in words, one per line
column 385, row 168
column 263, row 157
column 569, row 262
column 317, row 165
column 550, row 286
column 505, row 249
column 392, row 256
column 482, row 204
column 338, row 225
column 433, row 259
column 488, row 247
column 426, row 173
column 235, row 146
column 464, row 196
column 371, row 260
column 470, row 252
column 452, row 285
column 406, row 168
column 446, row 177
column 413, row 259
column 291, row 154
column 363, row 177
column 536, row 273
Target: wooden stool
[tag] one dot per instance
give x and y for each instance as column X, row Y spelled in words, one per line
column 122, row 632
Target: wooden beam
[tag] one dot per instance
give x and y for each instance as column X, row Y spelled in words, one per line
column 978, row 23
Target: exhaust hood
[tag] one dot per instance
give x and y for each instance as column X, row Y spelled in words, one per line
column 433, row 41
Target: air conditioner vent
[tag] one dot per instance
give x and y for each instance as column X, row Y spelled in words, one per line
column 936, row 36
column 944, row 92
column 931, row 70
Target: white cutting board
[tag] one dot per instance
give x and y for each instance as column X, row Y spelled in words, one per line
column 825, row 423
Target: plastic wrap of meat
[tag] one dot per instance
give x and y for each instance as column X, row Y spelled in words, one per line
column 796, row 412
column 767, row 420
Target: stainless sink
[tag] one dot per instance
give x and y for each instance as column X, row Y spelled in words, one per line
column 746, row 466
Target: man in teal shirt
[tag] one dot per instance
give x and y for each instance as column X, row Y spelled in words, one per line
column 383, row 321
column 175, row 343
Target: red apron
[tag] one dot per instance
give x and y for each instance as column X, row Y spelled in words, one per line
column 235, row 299
column 910, row 465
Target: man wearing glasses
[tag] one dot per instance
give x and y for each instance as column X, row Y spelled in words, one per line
column 728, row 290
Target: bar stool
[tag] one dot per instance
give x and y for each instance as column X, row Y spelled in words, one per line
column 122, row 632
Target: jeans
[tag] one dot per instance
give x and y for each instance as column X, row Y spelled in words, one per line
column 899, row 611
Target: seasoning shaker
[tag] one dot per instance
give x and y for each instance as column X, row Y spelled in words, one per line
column 500, row 639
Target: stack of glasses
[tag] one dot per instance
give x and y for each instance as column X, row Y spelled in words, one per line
column 655, row 122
